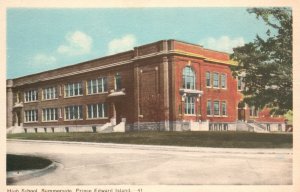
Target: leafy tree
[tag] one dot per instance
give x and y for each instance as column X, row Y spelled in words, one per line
column 267, row 62
column 289, row 117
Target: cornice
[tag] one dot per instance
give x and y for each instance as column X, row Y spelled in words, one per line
column 136, row 58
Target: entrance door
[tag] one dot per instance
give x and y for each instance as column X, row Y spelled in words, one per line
column 17, row 117
column 241, row 114
column 118, row 113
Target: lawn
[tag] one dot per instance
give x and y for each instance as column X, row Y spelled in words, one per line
column 193, row 139
column 21, row 162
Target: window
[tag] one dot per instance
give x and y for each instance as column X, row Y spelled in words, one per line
column 73, row 112
column 60, row 112
column 31, row 96
column 223, row 81
column 224, row 108
column 118, row 82
column 31, row 116
column 208, row 108
column 253, row 112
column 49, row 93
column 50, row 114
column 241, row 83
column 208, row 79
column 18, row 97
column 189, row 105
column 97, row 111
column 73, row 89
column 216, row 80
column 188, row 78
column 216, row 108
column 97, row 85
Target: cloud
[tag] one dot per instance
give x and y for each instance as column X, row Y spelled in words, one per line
column 124, row 43
column 223, row 43
column 42, row 60
column 76, row 43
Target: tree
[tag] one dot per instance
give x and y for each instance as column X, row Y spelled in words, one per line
column 289, row 117
column 267, row 62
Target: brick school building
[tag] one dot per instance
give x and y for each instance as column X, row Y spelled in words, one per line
column 168, row 85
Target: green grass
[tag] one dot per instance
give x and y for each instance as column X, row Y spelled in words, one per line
column 193, row 139
column 21, row 162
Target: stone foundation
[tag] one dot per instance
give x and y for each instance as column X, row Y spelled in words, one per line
column 62, row 129
column 149, row 126
column 273, row 127
column 222, row 126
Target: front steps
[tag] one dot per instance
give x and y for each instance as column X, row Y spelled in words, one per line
column 243, row 126
column 250, row 127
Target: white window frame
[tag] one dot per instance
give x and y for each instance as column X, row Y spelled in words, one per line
column 218, row 111
column 60, row 112
column 190, row 75
column 49, row 93
column 253, row 112
column 31, row 116
column 209, row 106
column 216, row 80
column 31, row 96
column 241, row 83
column 100, row 86
column 71, row 110
column 50, row 114
column 73, row 90
column 118, row 81
column 224, row 105
column 189, row 105
column 97, row 111
column 208, row 78
column 223, row 81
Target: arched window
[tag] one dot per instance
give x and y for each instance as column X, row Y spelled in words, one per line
column 188, row 78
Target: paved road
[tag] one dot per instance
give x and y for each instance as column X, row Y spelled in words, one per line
column 95, row 164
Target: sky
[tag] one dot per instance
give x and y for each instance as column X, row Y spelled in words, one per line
column 44, row 39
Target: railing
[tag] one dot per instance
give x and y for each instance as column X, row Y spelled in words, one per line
column 259, row 125
column 250, row 127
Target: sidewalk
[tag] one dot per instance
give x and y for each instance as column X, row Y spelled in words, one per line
column 169, row 148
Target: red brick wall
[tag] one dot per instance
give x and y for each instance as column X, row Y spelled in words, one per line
column 201, row 51
column 124, row 104
column 230, row 94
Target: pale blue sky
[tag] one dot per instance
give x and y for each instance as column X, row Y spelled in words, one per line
column 43, row 39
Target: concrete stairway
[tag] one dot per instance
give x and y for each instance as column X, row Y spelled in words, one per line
column 109, row 128
column 243, row 126
column 259, row 128
column 251, row 127
column 106, row 128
